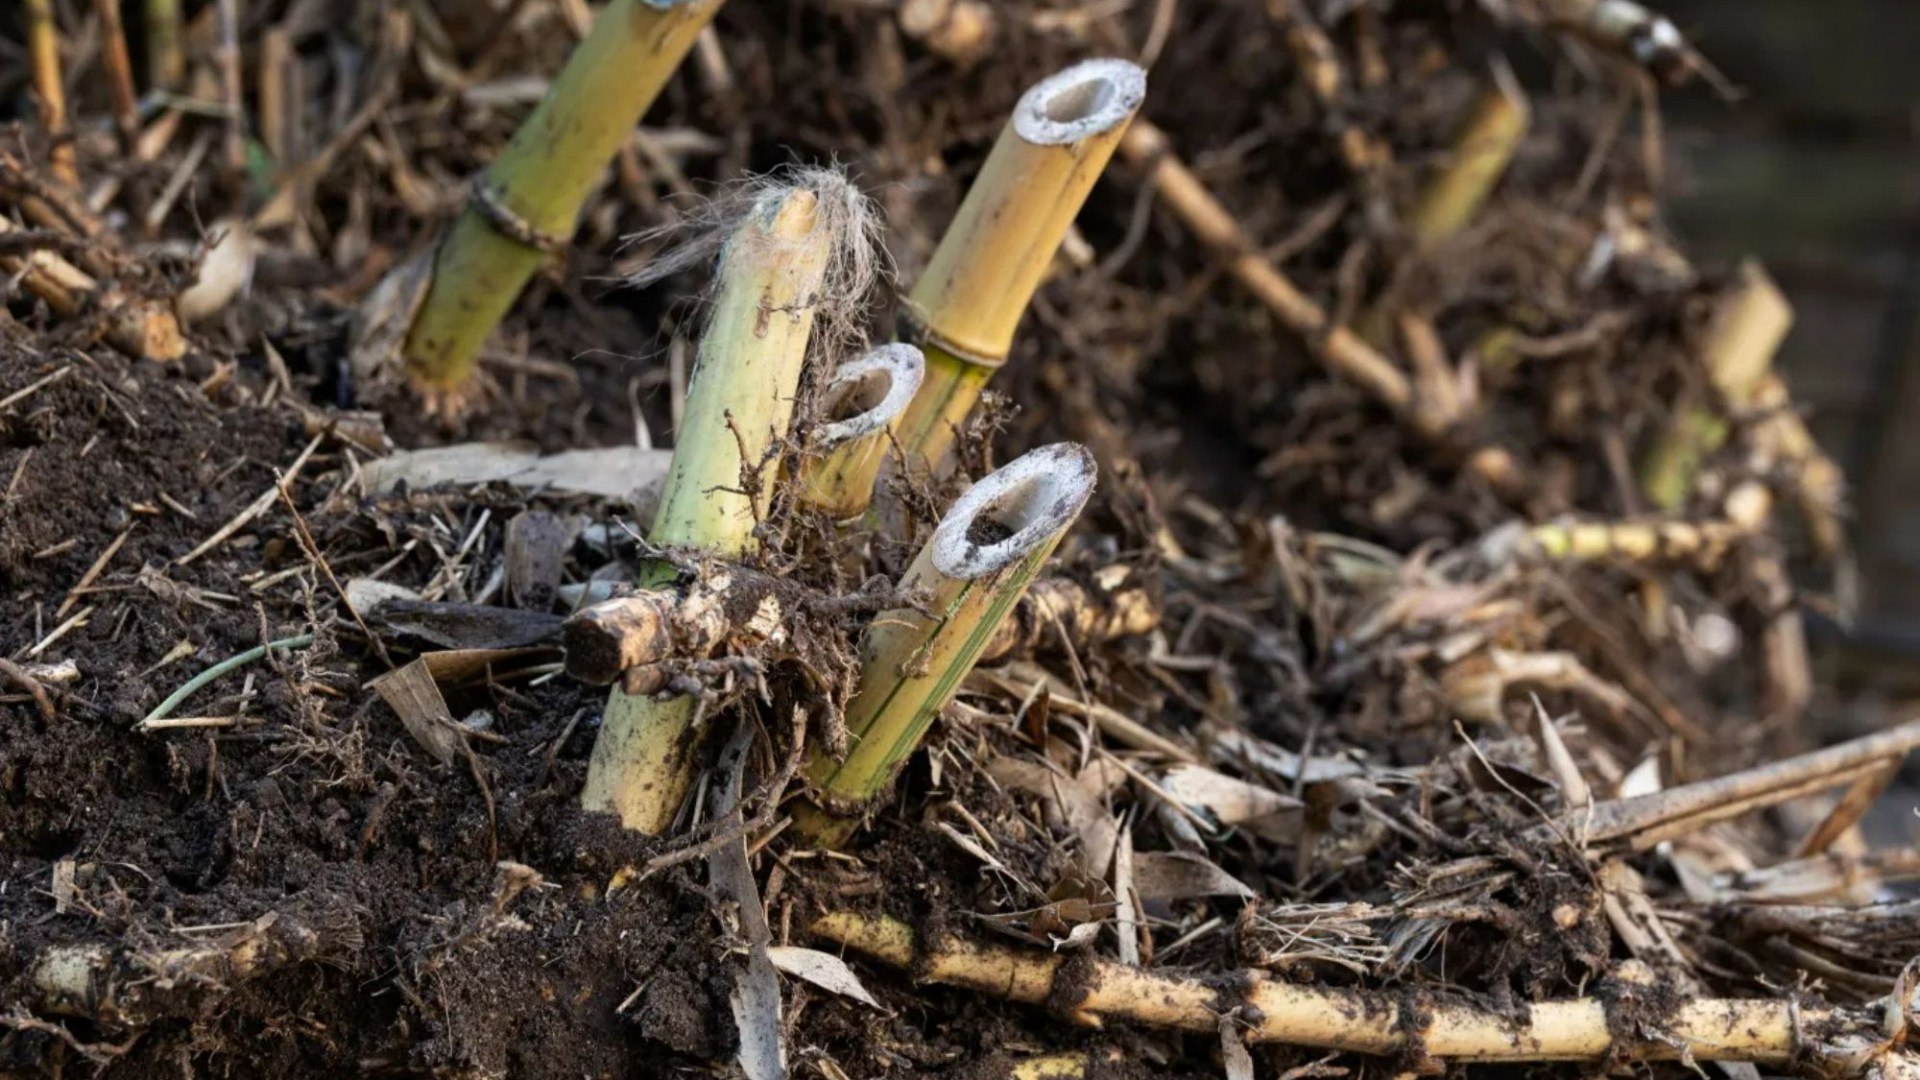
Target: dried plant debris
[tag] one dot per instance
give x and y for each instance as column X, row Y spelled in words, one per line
column 1423, row 681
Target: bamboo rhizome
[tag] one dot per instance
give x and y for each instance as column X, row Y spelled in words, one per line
column 972, row 571
column 864, row 399
column 739, row 405
column 1773, row 1032
column 967, row 304
column 526, row 205
column 1748, row 326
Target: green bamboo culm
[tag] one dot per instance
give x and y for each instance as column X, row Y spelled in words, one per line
column 529, row 200
column 739, row 406
column 974, row 569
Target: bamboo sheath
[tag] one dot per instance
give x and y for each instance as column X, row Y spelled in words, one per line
column 966, row 305
column 739, row 404
column 541, row 179
column 973, row 571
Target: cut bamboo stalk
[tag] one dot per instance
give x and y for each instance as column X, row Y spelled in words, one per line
column 838, row 474
column 973, row 571
column 1748, row 326
column 166, row 58
column 739, row 404
column 142, row 329
column 965, row 307
column 1417, row 1028
column 527, row 204
column 119, row 68
column 49, row 88
column 1479, row 158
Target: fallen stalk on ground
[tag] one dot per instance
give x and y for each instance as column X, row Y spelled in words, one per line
column 1773, row 1032
column 1344, row 352
column 974, row 570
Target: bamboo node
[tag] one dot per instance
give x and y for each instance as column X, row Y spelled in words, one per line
column 487, row 201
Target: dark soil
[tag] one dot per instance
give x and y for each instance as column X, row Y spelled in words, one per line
column 470, row 920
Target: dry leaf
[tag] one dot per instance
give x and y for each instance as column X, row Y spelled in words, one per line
column 824, row 970
column 614, row 472
column 1180, row 875
column 412, row 693
column 1235, row 802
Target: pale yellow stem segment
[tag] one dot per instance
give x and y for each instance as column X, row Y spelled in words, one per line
column 1747, row 330
column 739, row 405
column 544, row 175
column 1371, row 1022
column 973, row 571
column 1481, row 153
column 969, row 300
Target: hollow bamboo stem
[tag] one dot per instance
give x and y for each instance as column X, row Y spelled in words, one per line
column 1481, row 153
column 973, row 570
column 969, row 301
column 1370, row 1022
column 739, row 404
column 1747, row 329
column 49, row 88
column 837, row 477
column 166, row 59
column 142, row 329
column 529, row 200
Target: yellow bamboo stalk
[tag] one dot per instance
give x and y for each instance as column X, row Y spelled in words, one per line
column 529, row 200
column 973, row 571
column 166, row 59
column 968, row 302
column 1481, row 153
column 1747, row 329
column 43, row 55
column 1771, row 1032
column 739, row 404
column 119, row 69
column 1820, row 486
column 863, row 400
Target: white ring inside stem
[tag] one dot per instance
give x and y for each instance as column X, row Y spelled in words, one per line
column 1013, row 511
column 901, row 365
column 1087, row 99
